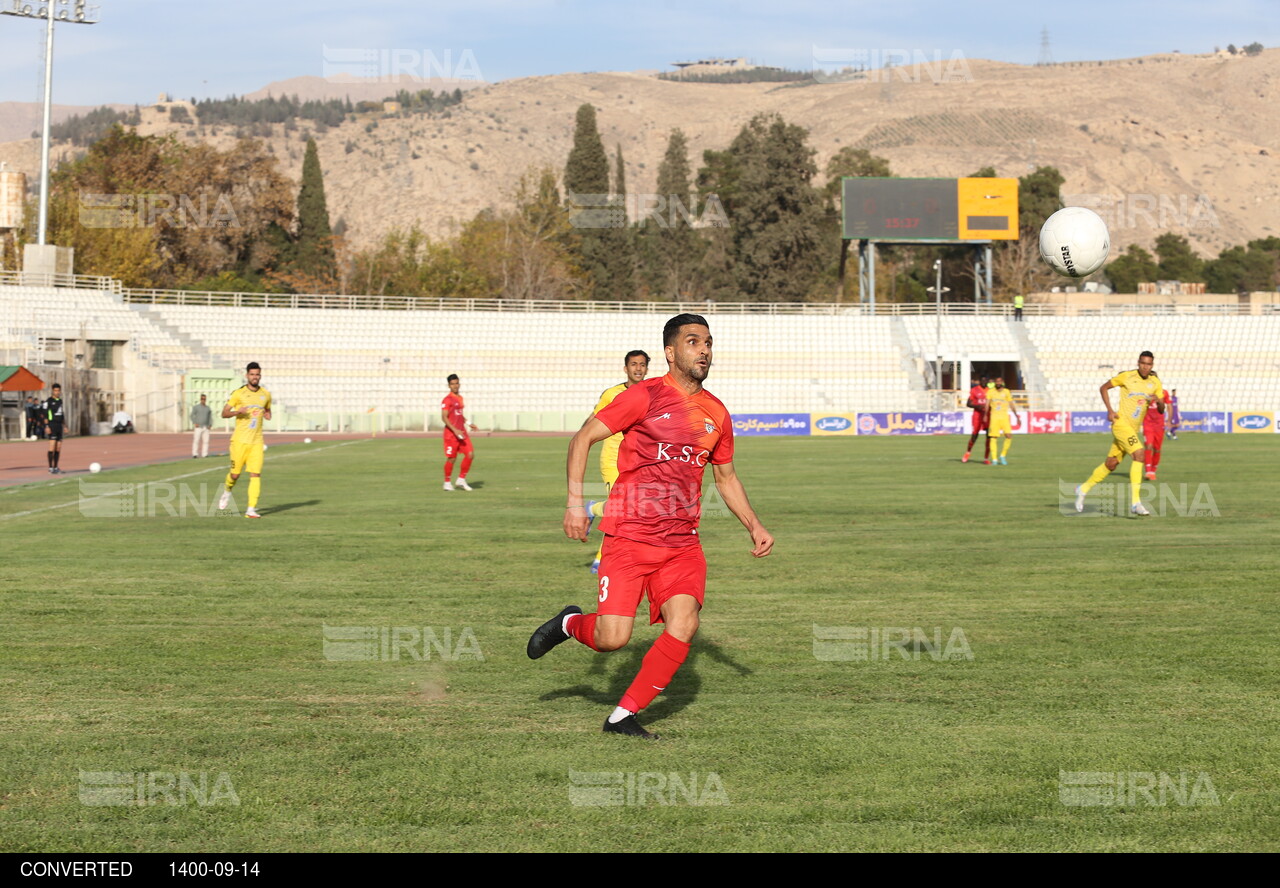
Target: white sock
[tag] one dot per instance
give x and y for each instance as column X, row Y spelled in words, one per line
column 564, row 624
column 619, row 714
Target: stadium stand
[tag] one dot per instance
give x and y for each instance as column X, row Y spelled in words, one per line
column 545, row 368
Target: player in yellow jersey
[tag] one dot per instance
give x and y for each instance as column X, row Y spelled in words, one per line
column 250, row 405
column 636, row 365
column 1139, row 390
column 999, row 407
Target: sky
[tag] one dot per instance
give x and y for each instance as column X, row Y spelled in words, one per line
column 216, row 48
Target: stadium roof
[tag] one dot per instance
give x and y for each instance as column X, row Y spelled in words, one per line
column 19, row 379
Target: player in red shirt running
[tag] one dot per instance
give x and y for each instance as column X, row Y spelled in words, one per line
column 673, row 428
column 1153, row 432
column 456, row 439
column 978, row 403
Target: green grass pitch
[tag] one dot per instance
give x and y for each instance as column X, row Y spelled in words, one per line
column 1104, row 683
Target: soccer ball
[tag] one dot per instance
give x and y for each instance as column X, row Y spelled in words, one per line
column 306, row 440
column 1075, row 242
column 95, row 468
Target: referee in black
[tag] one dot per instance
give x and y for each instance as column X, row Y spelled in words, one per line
column 54, row 420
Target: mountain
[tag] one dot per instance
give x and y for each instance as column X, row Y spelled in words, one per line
column 1184, row 143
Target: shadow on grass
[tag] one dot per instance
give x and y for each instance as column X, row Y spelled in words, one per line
column 287, row 506
column 622, row 666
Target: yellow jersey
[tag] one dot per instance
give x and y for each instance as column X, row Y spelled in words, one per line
column 249, row 427
column 609, row 449
column 1001, row 401
column 1133, row 397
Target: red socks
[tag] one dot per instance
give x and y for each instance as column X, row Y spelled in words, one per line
column 448, row 469
column 583, row 628
column 660, row 665
column 466, row 465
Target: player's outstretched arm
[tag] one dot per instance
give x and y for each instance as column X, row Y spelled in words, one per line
column 575, row 517
column 735, row 497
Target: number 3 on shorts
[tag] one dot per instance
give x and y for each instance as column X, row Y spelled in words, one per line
column 604, row 588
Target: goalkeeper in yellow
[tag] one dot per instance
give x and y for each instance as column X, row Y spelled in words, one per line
column 999, row 406
column 636, row 365
column 250, row 406
column 1139, row 390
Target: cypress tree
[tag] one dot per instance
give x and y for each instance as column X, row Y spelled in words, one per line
column 619, row 176
column 314, row 248
column 587, row 170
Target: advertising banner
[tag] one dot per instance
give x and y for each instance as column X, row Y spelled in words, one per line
column 1204, row 421
column 833, row 423
column 1253, row 422
column 771, row 424
column 950, row 422
column 1046, row 422
column 1089, row 421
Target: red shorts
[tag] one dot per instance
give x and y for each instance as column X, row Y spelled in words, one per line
column 452, row 448
column 629, row 571
column 979, row 422
column 1153, row 433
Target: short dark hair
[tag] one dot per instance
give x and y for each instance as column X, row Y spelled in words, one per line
column 451, row 377
column 56, row 385
column 672, row 327
column 1146, row 355
column 253, row 365
column 635, row 353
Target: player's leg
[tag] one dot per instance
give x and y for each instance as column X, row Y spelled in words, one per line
column 253, row 465
column 50, row 456
column 239, row 453
column 977, row 430
column 1136, row 463
column 57, row 453
column 1114, row 454
column 468, row 454
column 676, row 592
column 596, row 510
column 623, row 577
column 1008, row 442
column 450, row 454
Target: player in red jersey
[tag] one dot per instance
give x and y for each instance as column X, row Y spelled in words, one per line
column 456, row 439
column 673, row 429
column 978, row 404
column 1153, row 433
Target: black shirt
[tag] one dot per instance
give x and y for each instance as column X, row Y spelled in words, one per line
column 53, row 411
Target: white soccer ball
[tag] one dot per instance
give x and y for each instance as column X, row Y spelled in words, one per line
column 1075, row 242
column 265, row 447
column 95, row 468
column 306, row 440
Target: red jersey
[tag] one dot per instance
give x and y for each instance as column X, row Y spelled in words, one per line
column 452, row 406
column 978, row 395
column 670, row 438
column 1154, row 418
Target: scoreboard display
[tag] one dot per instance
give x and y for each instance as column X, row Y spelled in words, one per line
column 930, row 209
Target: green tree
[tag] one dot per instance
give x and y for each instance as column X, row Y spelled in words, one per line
column 1135, row 267
column 669, row 246
column 619, row 176
column 314, row 256
column 1178, row 262
column 587, row 170
column 775, row 214
column 1245, row 269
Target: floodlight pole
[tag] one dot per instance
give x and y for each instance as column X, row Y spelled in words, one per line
column 81, row 18
column 937, row 341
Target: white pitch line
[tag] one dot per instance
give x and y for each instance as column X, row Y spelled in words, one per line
column 82, row 500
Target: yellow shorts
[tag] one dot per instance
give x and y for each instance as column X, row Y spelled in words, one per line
column 246, row 458
column 1124, row 440
column 1000, row 427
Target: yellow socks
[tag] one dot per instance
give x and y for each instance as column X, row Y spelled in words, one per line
column 597, row 508
column 1008, row 442
column 1135, row 481
column 255, row 488
column 231, row 482
column 1099, row 474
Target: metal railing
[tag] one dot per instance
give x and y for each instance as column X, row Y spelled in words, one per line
column 1044, row 306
